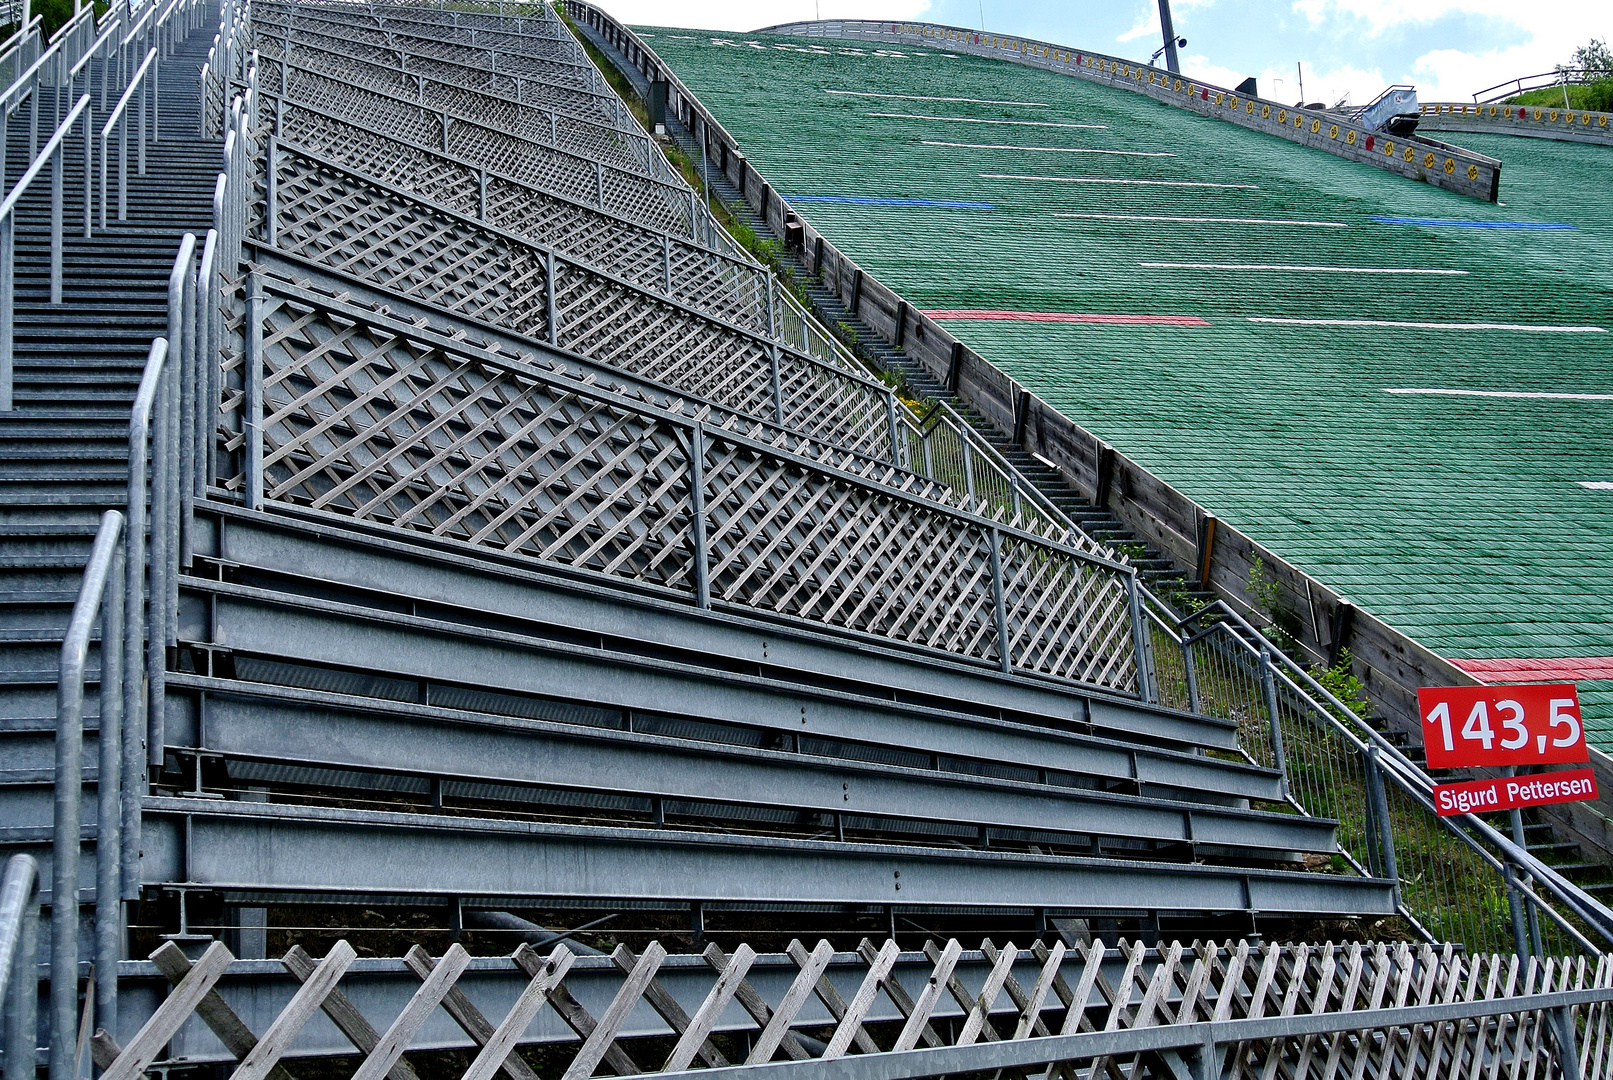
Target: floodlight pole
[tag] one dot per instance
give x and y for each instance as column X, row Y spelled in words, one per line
column 1170, row 35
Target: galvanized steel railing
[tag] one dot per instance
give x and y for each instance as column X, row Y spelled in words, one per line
column 1458, row 878
column 100, row 597
column 19, row 963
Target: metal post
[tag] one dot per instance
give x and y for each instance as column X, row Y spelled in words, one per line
column 109, row 803
column 481, row 196
column 1005, row 645
column 697, row 515
column 8, row 303
column 254, row 396
column 968, row 469
column 1535, row 941
column 1191, row 670
column 1268, row 687
column 56, row 183
column 271, row 211
column 1380, row 809
column 69, row 784
column 19, row 894
column 161, row 534
column 890, row 426
column 1169, row 30
column 553, row 312
column 181, row 341
column 1139, row 640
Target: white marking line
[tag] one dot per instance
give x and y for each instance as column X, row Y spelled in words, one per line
column 1510, row 394
column 1307, row 269
column 1207, row 220
column 1524, row 327
column 1597, row 485
column 1090, row 180
column 921, row 97
column 1047, row 149
column 978, row 120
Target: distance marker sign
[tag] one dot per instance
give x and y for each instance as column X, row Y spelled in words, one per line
column 1514, row 792
column 1464, row 726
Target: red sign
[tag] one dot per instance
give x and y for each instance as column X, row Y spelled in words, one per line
column 1512, row 792
column 1502, row 725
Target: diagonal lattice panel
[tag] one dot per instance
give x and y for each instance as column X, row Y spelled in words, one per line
column 325, row 217
column 352, row 224
column 796, row 542
column 582, row 108
column 1066, row 617
column 390, row 106
column 363, row 422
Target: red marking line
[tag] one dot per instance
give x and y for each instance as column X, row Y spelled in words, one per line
column 1557, row 667
column 989, row 315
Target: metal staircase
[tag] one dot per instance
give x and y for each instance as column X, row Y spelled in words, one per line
column 512, row 548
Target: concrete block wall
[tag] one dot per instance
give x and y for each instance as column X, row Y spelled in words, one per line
column 1564, row 125
column 1417, row 158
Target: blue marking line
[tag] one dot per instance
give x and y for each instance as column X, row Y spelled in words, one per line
column 868, row 200
column 1473, row 224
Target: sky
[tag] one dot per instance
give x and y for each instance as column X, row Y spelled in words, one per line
column 1448, row 49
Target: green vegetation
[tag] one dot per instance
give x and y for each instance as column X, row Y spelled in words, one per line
column 1341, row 682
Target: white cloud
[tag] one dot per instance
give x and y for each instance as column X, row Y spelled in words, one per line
column 1142, row 29
column 745, row 15
column 1328, row 87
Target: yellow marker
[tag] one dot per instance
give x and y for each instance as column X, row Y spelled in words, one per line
column 1250, row 108
column 1316, row 125
column 1221, row 99
column 1178, row 85
column 1507, row 112
column 1299, row 121
column 1492, row 111
column 1568, row 118
column 1428, row 161
column 1265, row 111
column 1333, row 131
column 1554, row 116
column 1350, row 138
column 1584, row 118
column 1450, row 166
column 1412, row 154
column 1389, row 147
column 1472, row 172
column 1282, row 116
column 1601, row 121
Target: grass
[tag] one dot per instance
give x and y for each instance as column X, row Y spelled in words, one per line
column 1596, row 96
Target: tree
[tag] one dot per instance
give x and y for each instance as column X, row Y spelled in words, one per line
column 1595, row 59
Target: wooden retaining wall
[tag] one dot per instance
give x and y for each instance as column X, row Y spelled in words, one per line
column 1564, row 125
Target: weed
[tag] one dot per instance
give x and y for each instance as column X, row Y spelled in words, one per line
column 1340, row 680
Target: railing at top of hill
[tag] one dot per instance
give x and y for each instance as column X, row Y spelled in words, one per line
column 1432, row 162
column 1545, row 80
column 1534, row 121
column 1458, row 877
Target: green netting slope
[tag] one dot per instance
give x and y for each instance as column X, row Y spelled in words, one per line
column 1248, row 369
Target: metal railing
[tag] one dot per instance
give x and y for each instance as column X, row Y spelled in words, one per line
column 19, row 964
column 119, row 120
column 1564, row 77
column 100, row 597
column 1458, row 878
column 50, row 154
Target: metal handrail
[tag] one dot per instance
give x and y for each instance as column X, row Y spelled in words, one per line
column 1393, row 764
column 51, row 153
column 100, row 594
column 118, row 119
column 1559, row 77
column 19, row 963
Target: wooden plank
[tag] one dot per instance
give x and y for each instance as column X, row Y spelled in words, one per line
column 499, row 1048
column 980, row 1012
column 576, row 1017
column 1231, row 979
column 1158, row 987
column 831, row 998
column 960, row 993
column 918, row 1012
column 1075, row 1006
column 862, row 1001
column 397, row 1038
column 705, row 1018
column 621, row 1006
column 1120, row 1001
column 662, row 1001
column 1030, row 1017
column 170, row 1015
column 263, row 1058
column 343, row 1013
column 465, row 1013
column 900, row 997
column 213, row 1009
column 776, row 1028
column 1011, row 986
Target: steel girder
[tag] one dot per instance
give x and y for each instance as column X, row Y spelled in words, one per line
column 277, row 847
column 324, row 632
column 339, row 554
column 312, row 729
